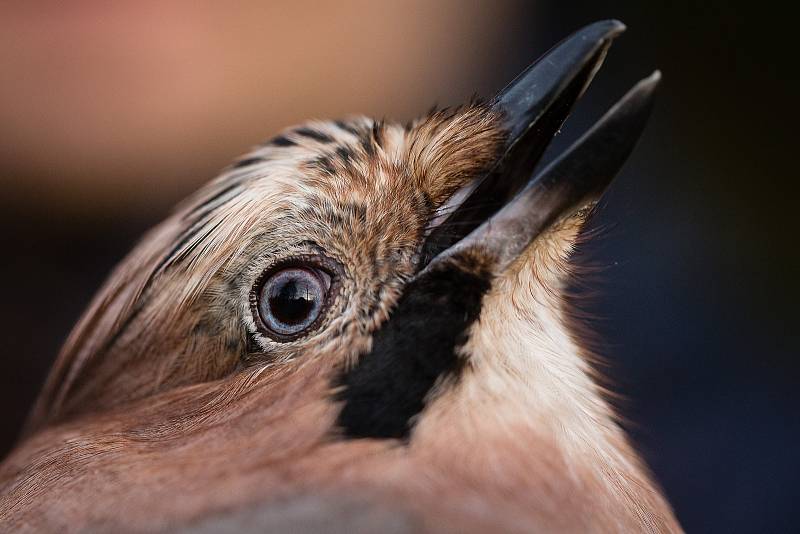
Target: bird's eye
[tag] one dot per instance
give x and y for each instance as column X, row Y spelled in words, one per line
column 291, row 300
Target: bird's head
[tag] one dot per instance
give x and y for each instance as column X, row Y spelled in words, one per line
column 410, row 277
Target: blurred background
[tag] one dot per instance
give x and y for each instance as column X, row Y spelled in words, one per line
column 112, row 112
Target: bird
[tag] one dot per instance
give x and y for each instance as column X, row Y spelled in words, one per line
column 359, row 326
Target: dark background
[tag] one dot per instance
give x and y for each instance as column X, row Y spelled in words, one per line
column 109, row 115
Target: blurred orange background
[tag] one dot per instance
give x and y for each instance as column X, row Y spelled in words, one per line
column 125, row 106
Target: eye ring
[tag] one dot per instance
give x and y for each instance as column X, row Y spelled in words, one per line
column 290, row 299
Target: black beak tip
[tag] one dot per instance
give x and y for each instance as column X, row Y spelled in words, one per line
column 534, row 106
column 613, row 27
column 545, row 84
column 650, row 83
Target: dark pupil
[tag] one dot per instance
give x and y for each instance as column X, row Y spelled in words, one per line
column 292, row 301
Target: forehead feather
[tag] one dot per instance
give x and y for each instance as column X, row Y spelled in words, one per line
column 356, row 160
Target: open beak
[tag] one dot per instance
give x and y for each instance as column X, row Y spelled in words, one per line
column 506, row 209
column 499, row 216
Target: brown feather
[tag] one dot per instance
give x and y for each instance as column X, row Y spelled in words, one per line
column 166, row 408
